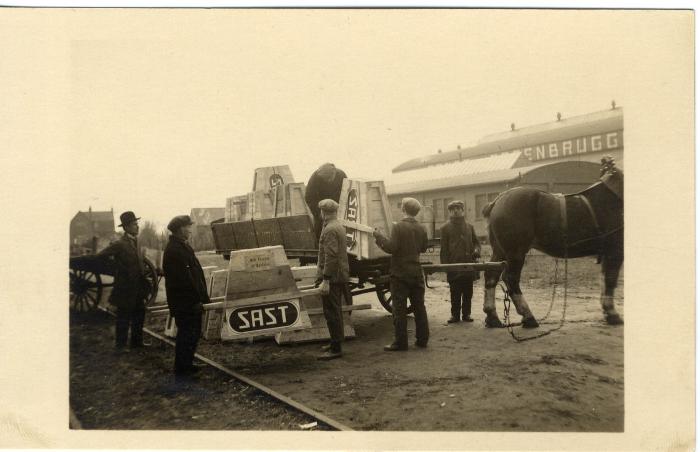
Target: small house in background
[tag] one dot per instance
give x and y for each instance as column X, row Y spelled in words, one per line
column 91, row 231
column 203, row 217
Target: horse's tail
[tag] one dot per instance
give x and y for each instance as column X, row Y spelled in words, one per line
column 486, row 211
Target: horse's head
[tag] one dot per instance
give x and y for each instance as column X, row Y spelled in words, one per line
column 611, row 176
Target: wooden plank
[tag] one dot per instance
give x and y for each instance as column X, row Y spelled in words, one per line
column 345, row 308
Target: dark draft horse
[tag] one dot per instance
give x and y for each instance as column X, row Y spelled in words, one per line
column 589, row 223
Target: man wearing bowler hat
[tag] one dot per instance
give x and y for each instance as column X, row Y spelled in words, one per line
column 130, row 284
column 186, row 290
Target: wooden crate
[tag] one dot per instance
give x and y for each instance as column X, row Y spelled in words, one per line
column 261, row 295
column 236, row 209
column 365, row 203
column 211, row 324
column 289, row 199
column 318, row 331
column 271, row 176
column 244, row 233
column 260, row 204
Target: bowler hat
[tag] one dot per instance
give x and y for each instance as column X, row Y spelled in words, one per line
column 178, row 222
column 328, row 205
column 455, row 205
column 127, row 218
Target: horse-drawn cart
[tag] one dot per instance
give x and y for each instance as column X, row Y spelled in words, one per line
column 296, row 235
column 87, row 280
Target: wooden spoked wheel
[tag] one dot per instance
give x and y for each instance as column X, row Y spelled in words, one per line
column 85, row 290
column 151, row 277
column 384, row 296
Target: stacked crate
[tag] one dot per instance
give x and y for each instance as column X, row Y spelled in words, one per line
column 364, row 206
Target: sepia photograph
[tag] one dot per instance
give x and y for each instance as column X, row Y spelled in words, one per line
column 407, row 222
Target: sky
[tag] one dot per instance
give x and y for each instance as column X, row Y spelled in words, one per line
column 170, row 112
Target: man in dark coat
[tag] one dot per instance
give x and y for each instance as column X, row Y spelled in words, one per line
column 186, row 290
column 459, row 244
column 325, row 183
column 408, row 240
column 130, row 284
column 333, row 275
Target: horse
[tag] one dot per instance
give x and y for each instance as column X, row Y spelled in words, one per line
column 588, row 223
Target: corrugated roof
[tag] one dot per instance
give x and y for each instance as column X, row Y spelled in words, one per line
column 463, row 180
column 584, row 125
column 464, row 168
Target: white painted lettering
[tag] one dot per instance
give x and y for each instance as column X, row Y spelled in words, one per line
column 566, row 148
column 596, row 143
column 243, row 319
column 553, row 150
column 540, row 152
column 581, row 145
column 256, row 317
column 528, row 152
column 611, row 140
column 271, row 318
column 282, row 310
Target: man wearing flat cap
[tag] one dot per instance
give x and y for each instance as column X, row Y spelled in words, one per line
column 333, row 275
column 325, row 183
column 130, row 284
column 407, row 241
column 186, row 290
column 459, row 244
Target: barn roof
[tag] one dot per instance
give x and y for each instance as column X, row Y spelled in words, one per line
column 102, row 221
column 589, row 124
column 205, row 215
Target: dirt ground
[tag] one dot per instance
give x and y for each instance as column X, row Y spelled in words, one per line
column 137, row 390
column 469, row 378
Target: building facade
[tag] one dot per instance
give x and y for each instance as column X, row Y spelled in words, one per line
column 91, row 231
column 560, row 157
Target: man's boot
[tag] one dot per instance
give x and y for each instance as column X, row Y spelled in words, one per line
column 334, row 351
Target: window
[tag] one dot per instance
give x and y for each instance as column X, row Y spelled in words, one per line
column 440, row 209
column 481, row 200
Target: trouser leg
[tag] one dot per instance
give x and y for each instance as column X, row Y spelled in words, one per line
column 467, row 292
column 122, row 326
column 421, row 316
column 188, row 329
column 138, row 314
column 399, row 294
column 332, row 311
column 455, row 299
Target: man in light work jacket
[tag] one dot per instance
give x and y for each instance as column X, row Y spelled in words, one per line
column 333, row 275
column 458, row 244
column 130, row 285
column 325, row 183
column 408, row 239
column 186, row 290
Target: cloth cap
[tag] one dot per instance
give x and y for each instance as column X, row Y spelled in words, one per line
column 455, row 205
column 127, row 218
column 178, row 222
column 411, row 206
column 328, row 205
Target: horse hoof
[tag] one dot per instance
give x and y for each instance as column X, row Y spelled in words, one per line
column 614, row 319
column 530, row 322
column 493, row 322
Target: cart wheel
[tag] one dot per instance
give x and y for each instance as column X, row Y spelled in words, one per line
column 85, row 290
column 384, row 296
column 152, row 277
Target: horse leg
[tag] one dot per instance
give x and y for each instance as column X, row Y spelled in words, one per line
column 491, row 278
column 512, row 279
column 611, row 272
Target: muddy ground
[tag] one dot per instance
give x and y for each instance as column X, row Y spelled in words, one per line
column 469, row 378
